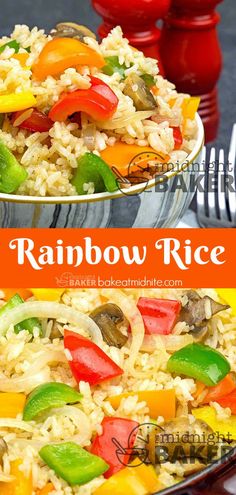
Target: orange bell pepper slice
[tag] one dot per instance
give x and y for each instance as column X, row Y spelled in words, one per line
column 63, row 53
column 159, row 402
column 128, row 158
column 155, row 90
column 9, row 293
column 11, row 404
column 225, row 387
column 172, row 102
column 49, row 488
column 20, row 485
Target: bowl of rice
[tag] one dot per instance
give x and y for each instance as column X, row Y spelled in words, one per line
column 116, row 391
column 91, row 135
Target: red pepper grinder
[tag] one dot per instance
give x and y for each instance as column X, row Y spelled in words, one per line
column 191, row 55
column 138, row 20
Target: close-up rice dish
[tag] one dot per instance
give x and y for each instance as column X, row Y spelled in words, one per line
column 79, row 117
column 96, row 384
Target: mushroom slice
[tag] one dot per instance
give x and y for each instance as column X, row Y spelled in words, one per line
column 194, row 313
column 72, row 30
column 55, row 332
column 3, row 449
column 138, row 91
column 110, row 319
column 180, row 439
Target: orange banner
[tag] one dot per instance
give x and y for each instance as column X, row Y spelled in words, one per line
column 117, row 258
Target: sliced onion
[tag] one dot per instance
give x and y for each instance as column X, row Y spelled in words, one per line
column 130, row 310
column 170, row 342
column 89, row 136
column 16, row 423
column 51, row 310
column 124, row 121
column 46, row 357
column 25, row 383
column 172, row 121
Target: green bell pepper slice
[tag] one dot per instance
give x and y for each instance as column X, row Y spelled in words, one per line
column 28, row 324
column 200, row 362
column 72, row 463
column 113, row 65
column 12, row 174
column 47, row 396
column 149, row 80
column 91, row 168
column 11, row 44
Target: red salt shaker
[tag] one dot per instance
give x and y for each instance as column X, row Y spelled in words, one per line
column 191, row 55
column 138, row 20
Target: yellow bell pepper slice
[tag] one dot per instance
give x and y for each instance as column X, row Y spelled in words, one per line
column 11, row 404
column 135, row 480
column 190, row 107
column 148, row 476
column 48, row 294
column 17, row 101
column 208, row 414
column 20, row 485
column 229, row 297
column 159, row 402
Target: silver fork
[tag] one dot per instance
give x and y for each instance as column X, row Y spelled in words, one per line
column 217, row 208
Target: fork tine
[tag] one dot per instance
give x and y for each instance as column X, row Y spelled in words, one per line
column 211, row 195
column 200, row 194
column 230, row 167
column 221, row 188
column 232, row 146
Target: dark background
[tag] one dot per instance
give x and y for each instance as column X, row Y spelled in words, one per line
column 45, row 13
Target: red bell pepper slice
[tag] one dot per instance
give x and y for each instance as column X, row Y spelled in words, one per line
column 37, row 122
column 104, row 90
column 89, row 363
column 99, row 101
column 178, row 138
column 225, row 387
column 115, row 431
column 159, row 315
column 229, row 401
